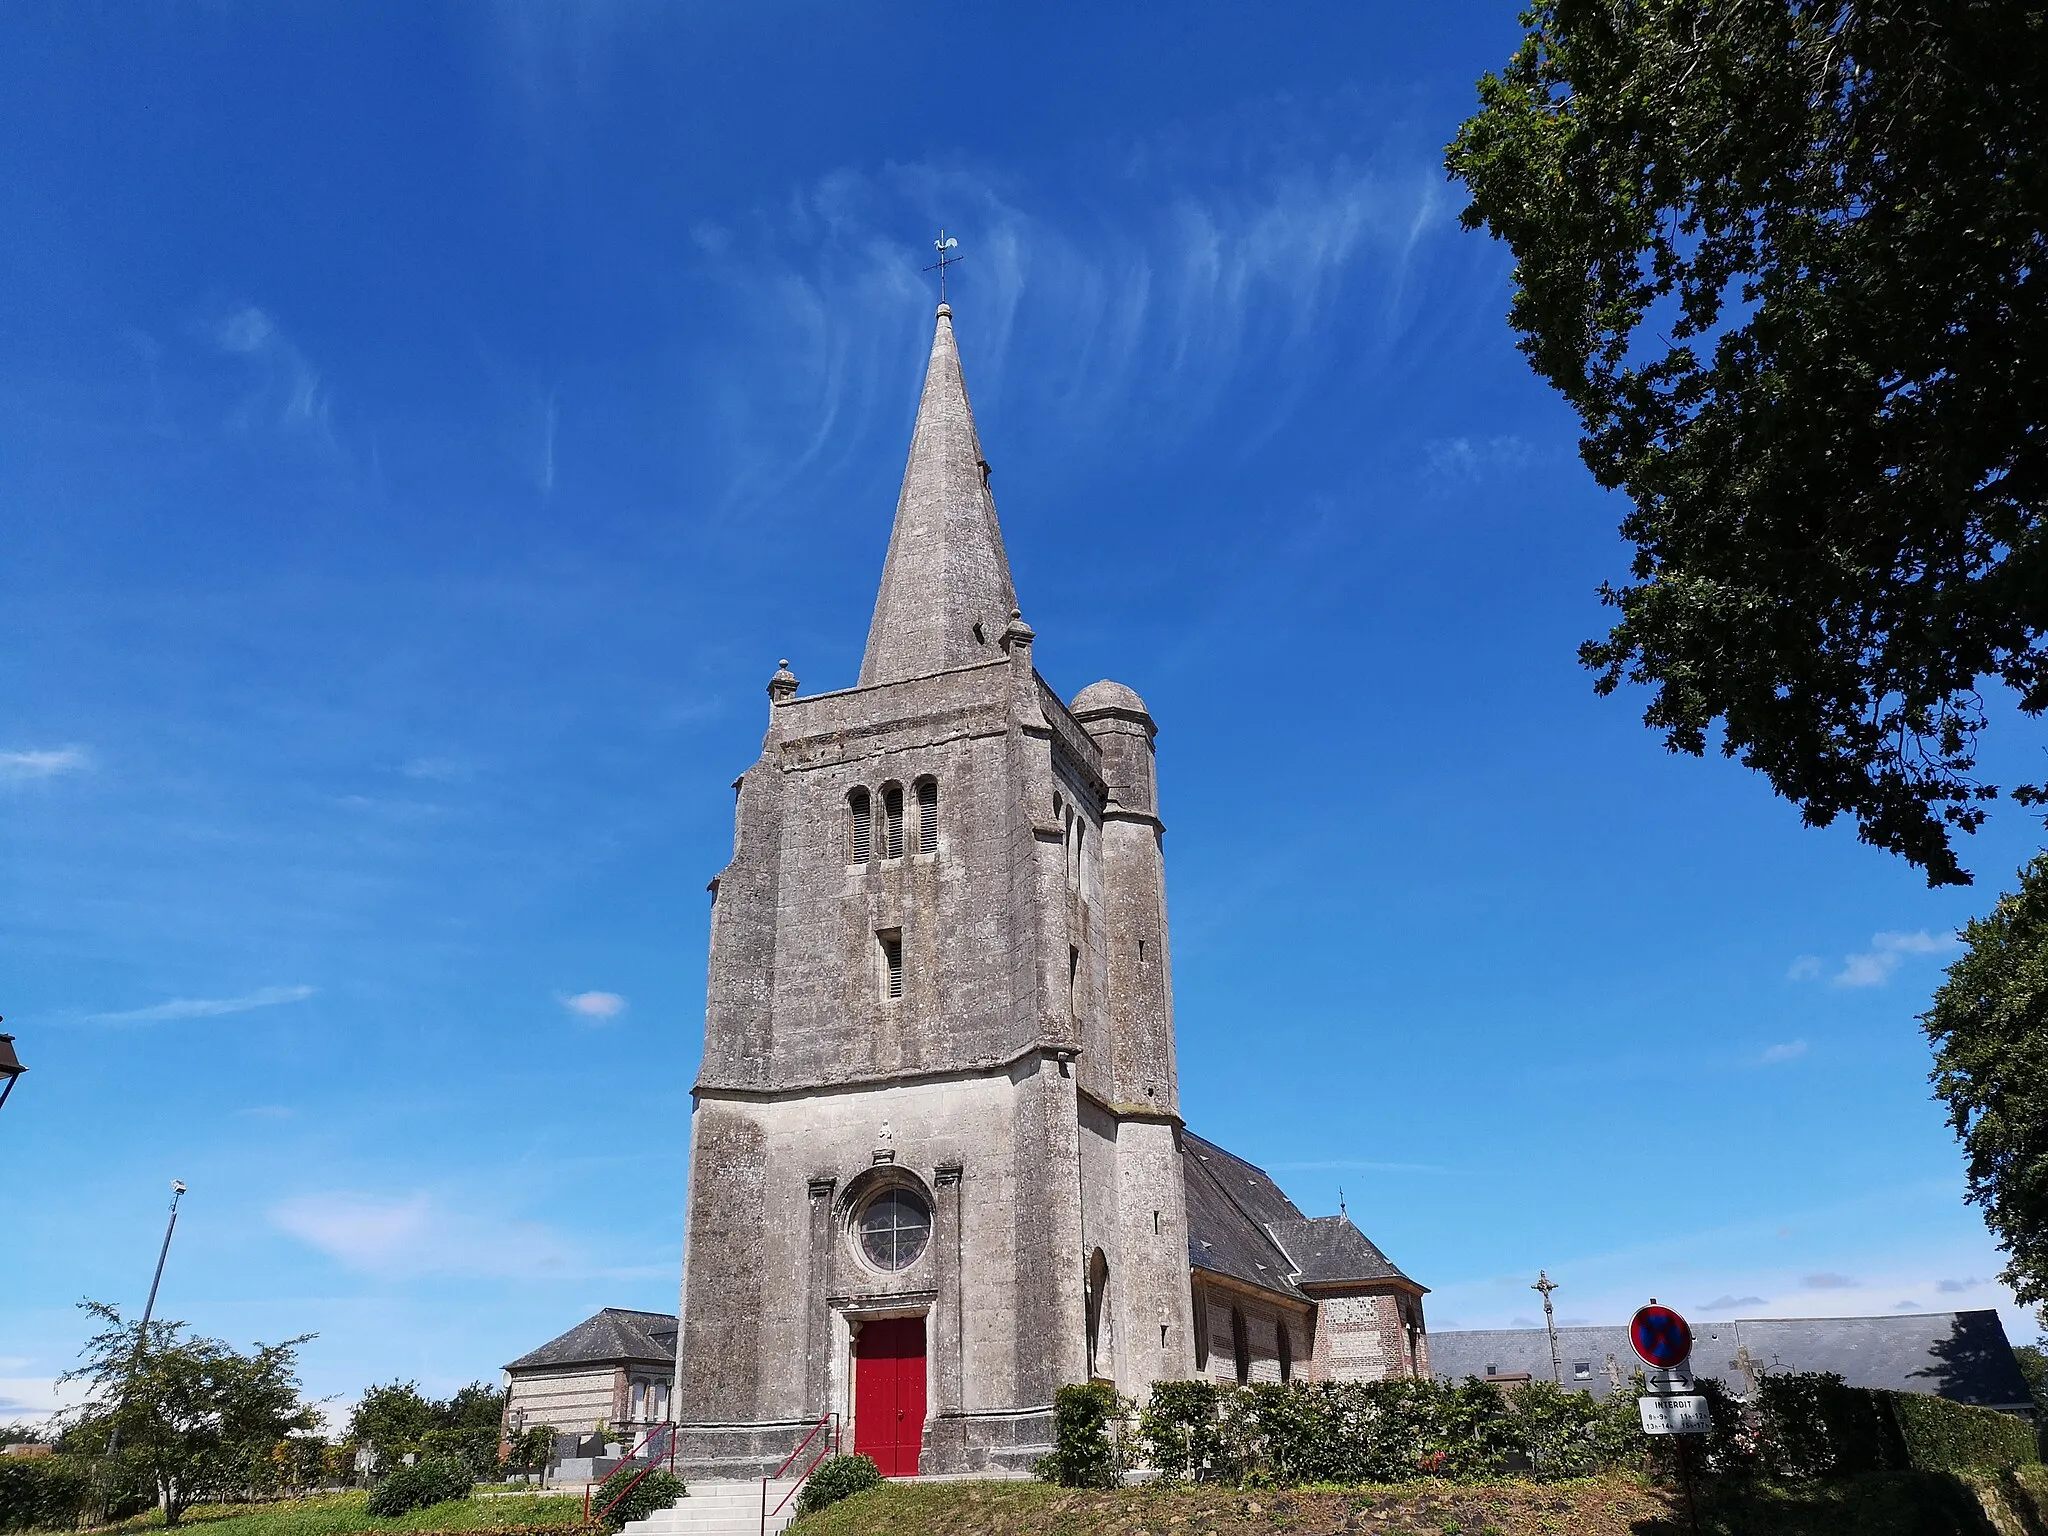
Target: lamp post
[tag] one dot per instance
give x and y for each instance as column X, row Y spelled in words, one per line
column 148, row 1310
column 10, row 1066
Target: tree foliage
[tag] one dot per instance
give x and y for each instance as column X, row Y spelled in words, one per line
column 194, row 1416
column 397, row 1418
column 1989, row 1027
column 1787, row 260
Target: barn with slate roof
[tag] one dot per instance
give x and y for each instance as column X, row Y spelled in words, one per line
column 1962, row 1356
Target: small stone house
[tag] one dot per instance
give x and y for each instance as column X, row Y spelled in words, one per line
column 616, row 1369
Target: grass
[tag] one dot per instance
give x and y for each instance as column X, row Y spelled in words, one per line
column 1877, row 1504
column 333, row 1514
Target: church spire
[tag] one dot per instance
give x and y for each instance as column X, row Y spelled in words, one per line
column 946, row 597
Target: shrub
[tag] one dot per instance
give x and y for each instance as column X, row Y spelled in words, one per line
column 475, row 1447
column 430, row 1480
column 657, row 1490
column 1557, row 1433
column 1179, row 1431
column 837, row 1477
column 1083, row 1455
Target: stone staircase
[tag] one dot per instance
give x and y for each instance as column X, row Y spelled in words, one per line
column 719, row 1507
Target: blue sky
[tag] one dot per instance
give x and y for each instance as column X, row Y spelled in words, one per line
column 422, row 429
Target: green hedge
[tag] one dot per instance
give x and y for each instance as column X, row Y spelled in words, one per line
column 59, row 1492
column 42, row 1492
column 1380, row 1431
column 1800, row 1427
column 1941, row 1436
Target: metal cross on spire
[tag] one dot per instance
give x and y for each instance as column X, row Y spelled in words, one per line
column 944, row 245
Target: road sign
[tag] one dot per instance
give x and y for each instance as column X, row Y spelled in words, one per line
column 1675, row 1382
column 1660, row 1336
column 1674, row 1415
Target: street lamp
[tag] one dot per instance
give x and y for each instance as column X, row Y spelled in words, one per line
column 10, row 1066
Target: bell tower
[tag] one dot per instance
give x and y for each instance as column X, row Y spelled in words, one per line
column 935, row 1164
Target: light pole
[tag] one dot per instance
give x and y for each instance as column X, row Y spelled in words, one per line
column 10, row 1066
column 1546, row 1285
column 148, row 1311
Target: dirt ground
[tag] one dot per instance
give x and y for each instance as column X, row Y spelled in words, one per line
column 1880, row 1504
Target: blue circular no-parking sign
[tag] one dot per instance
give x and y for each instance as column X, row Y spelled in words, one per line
column 1661, row 1337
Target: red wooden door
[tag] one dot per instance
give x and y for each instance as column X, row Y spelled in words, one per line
column 888, row 1393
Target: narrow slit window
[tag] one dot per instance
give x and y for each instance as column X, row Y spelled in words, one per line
column 1073, row 977
column 863, row 817
column 892, row 963
column 1155, row 1223
column 928, row 817
column 1141, row 951
column 892, row 822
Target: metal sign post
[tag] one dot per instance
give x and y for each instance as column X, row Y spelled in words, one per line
column 1669, row 1405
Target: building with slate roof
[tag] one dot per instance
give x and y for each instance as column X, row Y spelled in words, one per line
column 616, row 1369
column 937, row 1163
column 1276, row 1292
column 1962, row 1356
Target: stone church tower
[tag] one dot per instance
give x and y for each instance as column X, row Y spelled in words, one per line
column 935, row 1166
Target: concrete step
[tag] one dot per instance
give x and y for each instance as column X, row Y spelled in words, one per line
column 719, row 1507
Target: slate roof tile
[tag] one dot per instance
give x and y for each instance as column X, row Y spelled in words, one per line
column 616, row 1336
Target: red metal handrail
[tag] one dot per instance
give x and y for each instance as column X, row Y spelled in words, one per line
column 665, row 1424
column 830, row 1447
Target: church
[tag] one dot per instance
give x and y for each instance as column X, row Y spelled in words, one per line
column 937, row 1163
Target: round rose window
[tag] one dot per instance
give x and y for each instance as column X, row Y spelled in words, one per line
column 894, row 1228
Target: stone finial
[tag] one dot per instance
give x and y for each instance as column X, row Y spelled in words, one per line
column 782, row 686
column 1018, row 632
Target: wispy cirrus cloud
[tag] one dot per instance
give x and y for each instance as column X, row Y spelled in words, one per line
column 204, row 1007
column 1787, row 1050
column 46, row 763
column 286, row 390
column 1141, row 324
column 1471, row 459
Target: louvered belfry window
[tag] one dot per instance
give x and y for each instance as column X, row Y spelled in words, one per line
column 927, row 817
column 892, row 963
column 863, row 826
column 892, row 818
